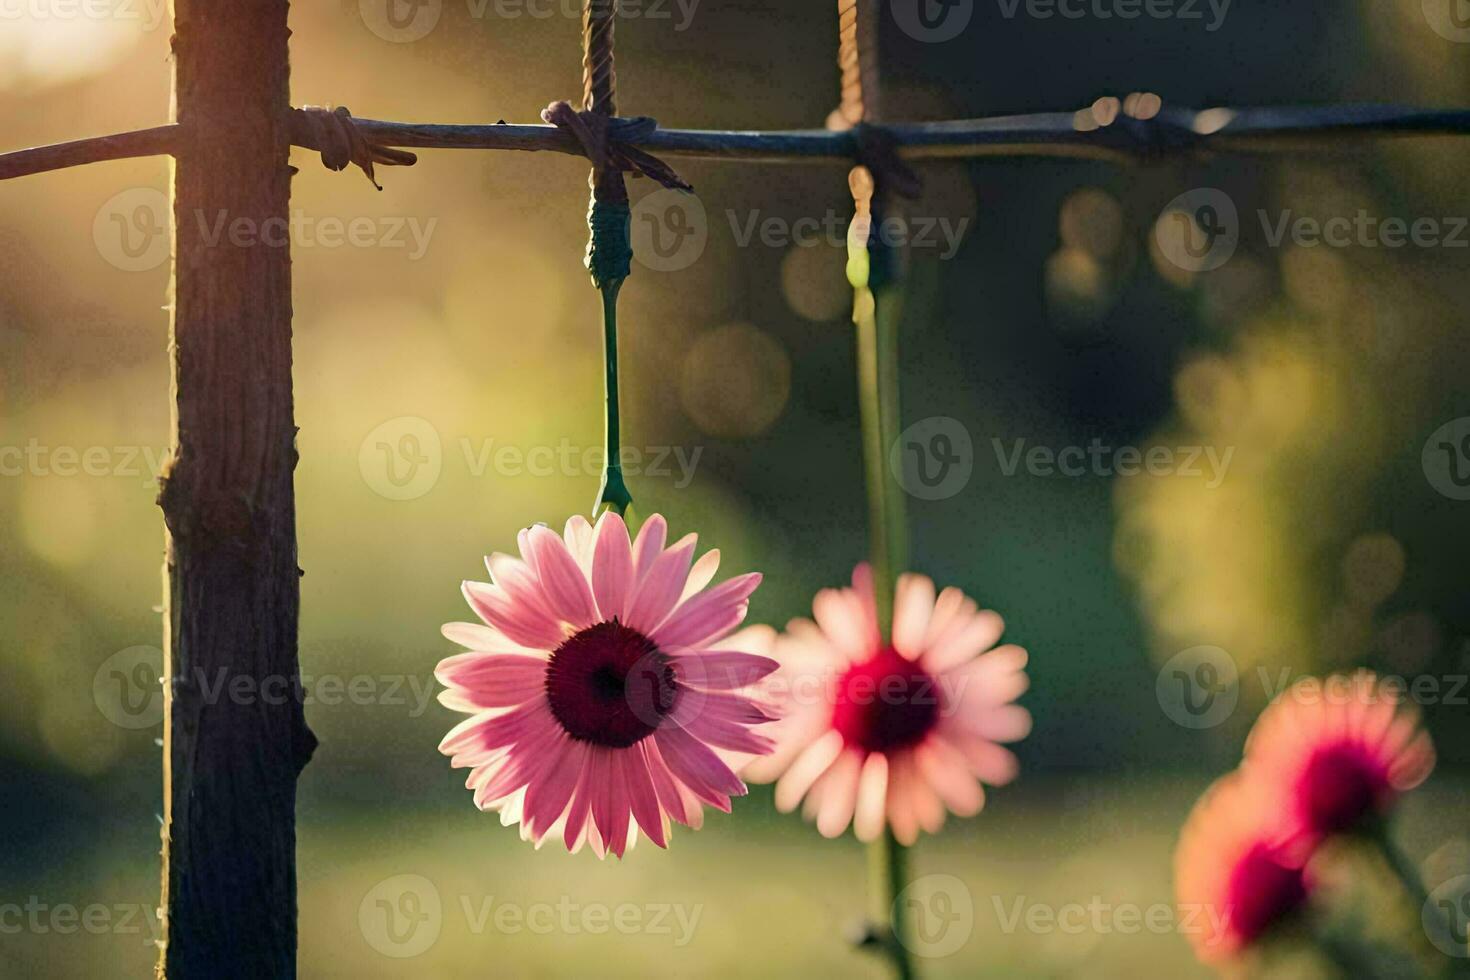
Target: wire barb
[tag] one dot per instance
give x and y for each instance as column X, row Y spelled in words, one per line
column 334, row 133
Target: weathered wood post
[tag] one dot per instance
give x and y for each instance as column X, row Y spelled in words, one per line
column 235, row 738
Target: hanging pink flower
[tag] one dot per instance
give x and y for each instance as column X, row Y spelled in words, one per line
column 1229, row 878
column 605, row 694
column 896, row 731
column 1334, row 755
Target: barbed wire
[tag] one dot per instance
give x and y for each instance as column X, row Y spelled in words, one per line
column 1101, row 131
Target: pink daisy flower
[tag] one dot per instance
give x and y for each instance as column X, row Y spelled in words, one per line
column 898, row 731
column 604, row 692
column 1228, row 874
column 1334, row 755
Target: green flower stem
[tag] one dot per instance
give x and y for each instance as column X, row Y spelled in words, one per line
column 870, row 407
column 609, row 260
column 877, row 309
column 613, row 492
column 888, row 876
column 1412, row 882
column 1337, row 950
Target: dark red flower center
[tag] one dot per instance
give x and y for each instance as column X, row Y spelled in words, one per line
column 610, row 685
column 1261, row 892
column 885, row 703
column 1340, row 787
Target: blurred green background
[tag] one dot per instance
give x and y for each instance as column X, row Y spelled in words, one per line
column 1057, row 320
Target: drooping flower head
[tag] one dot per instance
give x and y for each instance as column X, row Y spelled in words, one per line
column 896, row 730
column 1229, row 876
column 1333, row 755
column 604, row 690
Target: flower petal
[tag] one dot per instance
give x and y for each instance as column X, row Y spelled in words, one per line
column 612, row 566
column 913, row 604
column 694, row 765
column 494, row 680
column 867, row 821
column 708, row 615
column 659, row 588
column 721, row 670
column 702, row 573
column 517, row 621
column 481, row 638
column 642, row 796
column 838, row 794
column 563, row 580
column 806, row 769
column 649, row 545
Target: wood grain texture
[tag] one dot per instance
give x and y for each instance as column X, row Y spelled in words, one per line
column 235, row 734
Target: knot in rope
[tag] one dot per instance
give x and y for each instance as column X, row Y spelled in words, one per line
column 877, row 152
column 334, row 133
column 607, row 142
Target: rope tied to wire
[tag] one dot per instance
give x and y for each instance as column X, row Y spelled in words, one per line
column 609, row 247
column 607, row 142
column 334, row 134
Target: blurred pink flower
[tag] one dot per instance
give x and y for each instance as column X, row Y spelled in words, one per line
column 899, row 731
column 603, row 690
column 1333, row 755
column 1231, row 883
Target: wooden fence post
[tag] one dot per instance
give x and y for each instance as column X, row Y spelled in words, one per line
column 235, row 737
